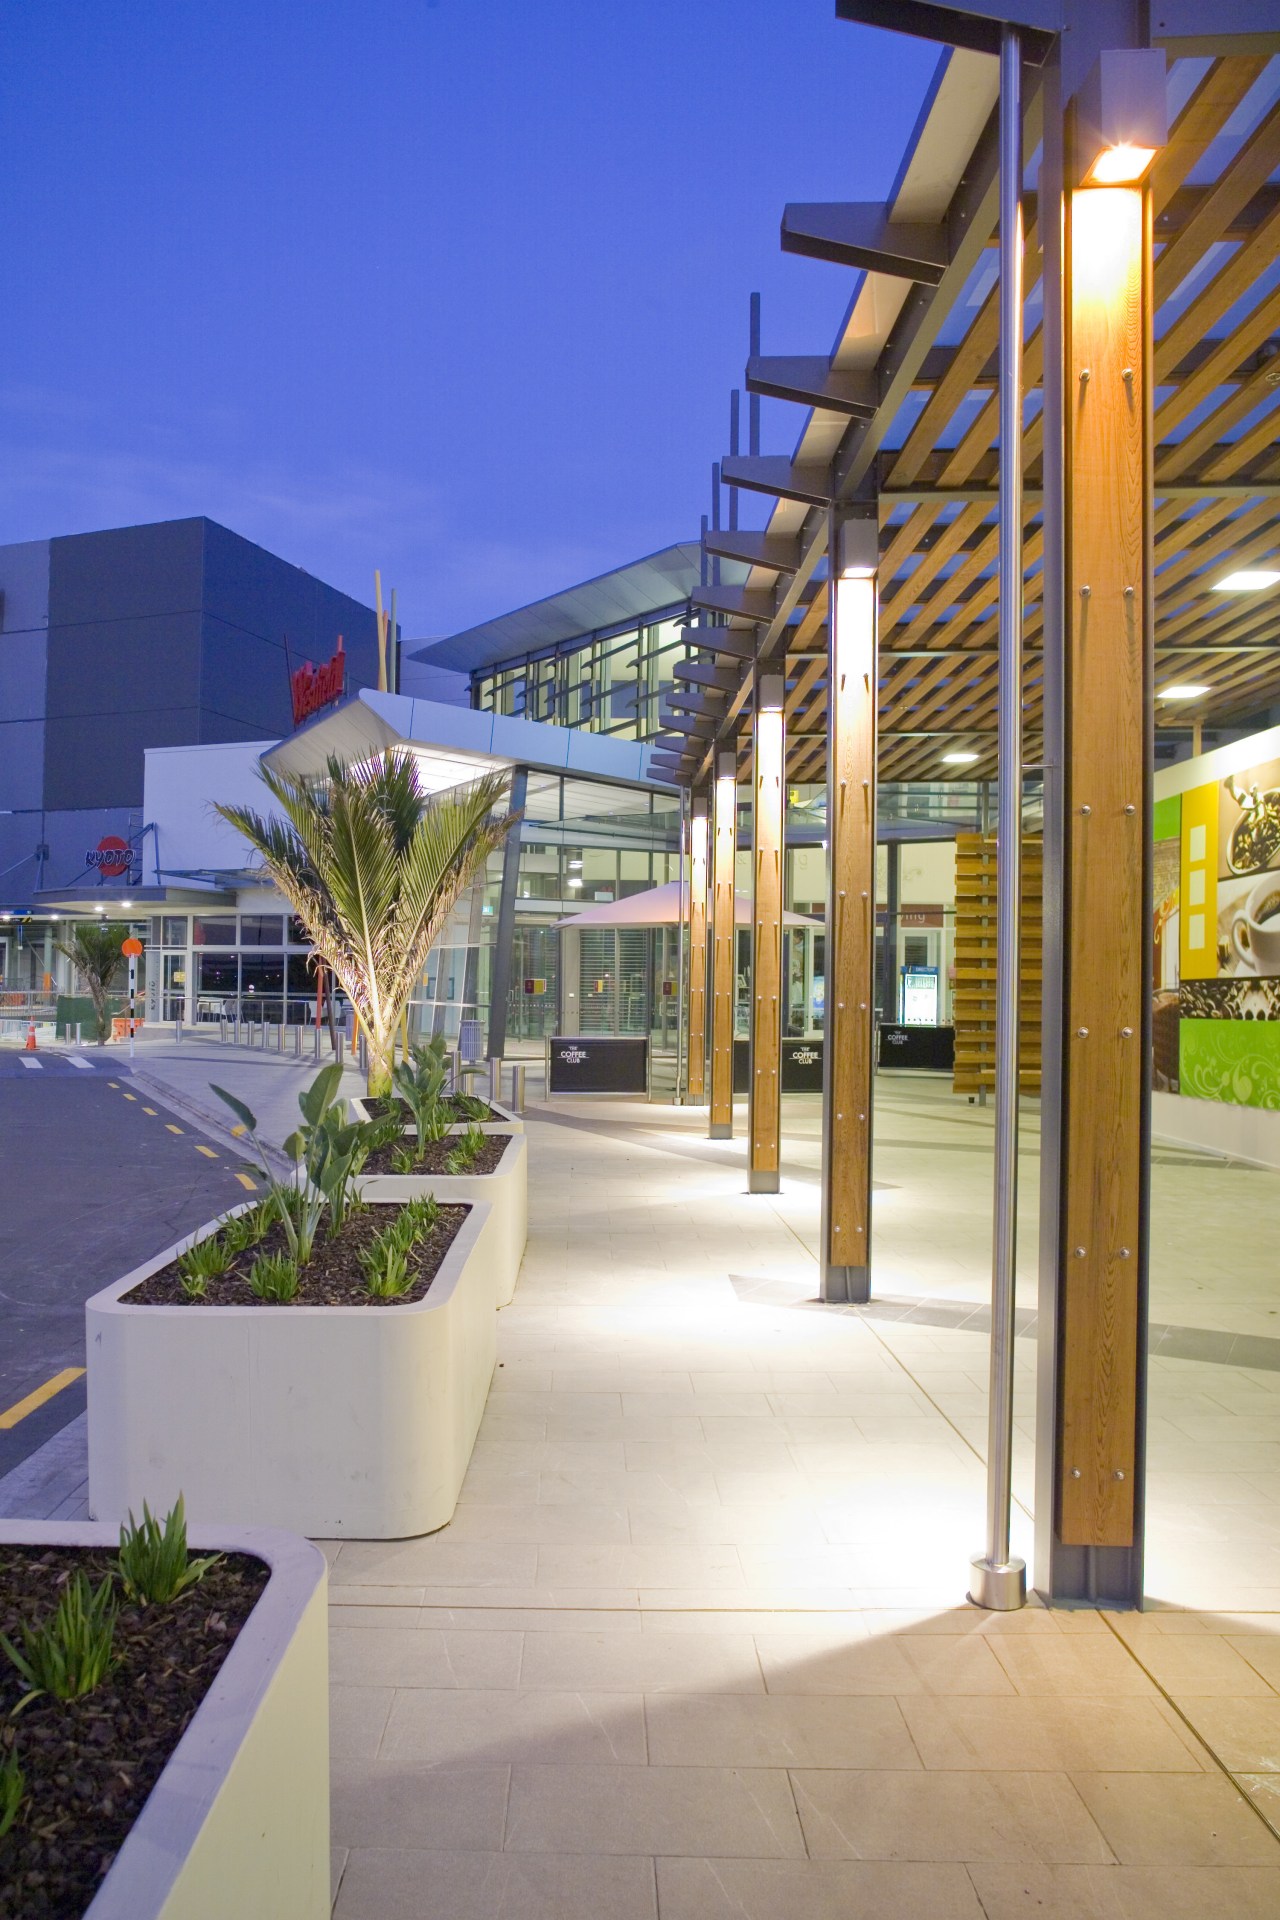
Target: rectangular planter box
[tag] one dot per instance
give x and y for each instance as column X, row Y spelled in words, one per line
column 238, row 1822
column 505, row 1190
column 507, row 1122
column 337, row 1422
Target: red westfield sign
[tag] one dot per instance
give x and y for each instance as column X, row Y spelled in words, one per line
column 316, row 687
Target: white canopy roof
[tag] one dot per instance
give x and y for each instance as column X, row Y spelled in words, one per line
column 660, row 907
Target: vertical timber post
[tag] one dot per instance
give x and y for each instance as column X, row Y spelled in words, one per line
column 851, row 909
column 768, row 819
column 505, row 937
column 723, row 943
column 698, row 881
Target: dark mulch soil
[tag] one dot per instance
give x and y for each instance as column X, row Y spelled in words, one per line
column 89, row 1764
column 436, row 1153
column 333, row 1277
column 458, row 1117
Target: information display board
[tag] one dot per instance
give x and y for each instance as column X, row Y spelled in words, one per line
column 932, row 1047
column 801, row 1065
column 598, row 1063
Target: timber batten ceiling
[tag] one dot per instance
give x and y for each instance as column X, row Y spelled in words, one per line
column 925, row 459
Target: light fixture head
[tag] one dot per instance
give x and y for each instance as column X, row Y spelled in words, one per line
column 1121, row 166
column 1122, row 116
column 126, row 903
column 960, row 758
column 99, row 909
column 573, row 882
column 1248, row 580
column 1187, row 692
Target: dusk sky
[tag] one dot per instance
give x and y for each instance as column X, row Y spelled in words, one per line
column 457, row 288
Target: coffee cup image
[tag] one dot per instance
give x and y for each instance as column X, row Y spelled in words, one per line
column 1255, row 930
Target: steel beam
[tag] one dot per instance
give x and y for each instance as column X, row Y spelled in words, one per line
column 812, row 381
column 854, row 233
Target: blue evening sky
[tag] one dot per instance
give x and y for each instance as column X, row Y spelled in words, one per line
column 454, row 287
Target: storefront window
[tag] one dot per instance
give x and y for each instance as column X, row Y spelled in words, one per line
column 174, row 930
column 261, row 930
column 211, row 931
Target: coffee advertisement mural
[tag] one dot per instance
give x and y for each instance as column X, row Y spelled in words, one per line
column 1216, row 973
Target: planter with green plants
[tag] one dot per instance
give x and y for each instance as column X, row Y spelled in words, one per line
column 319, row 1359
column 164, row 1735
column 421, row 1081
column 419, row 1150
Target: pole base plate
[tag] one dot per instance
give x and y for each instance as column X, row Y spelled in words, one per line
column 719, row 1130
column 1002, row 1588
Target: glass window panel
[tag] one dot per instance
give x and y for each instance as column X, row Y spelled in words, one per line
column 175, row 930
column 217, row 973
column 297, row 934
column 261, row 930
column 261, row 983
column 212, row 931
column 301, row 975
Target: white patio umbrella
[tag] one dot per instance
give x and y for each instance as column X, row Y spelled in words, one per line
column 660, row 907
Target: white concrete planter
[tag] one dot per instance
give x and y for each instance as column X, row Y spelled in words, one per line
column 238, row 1822
column 338, row 1422
column 505, row 1190
column 506, row 1122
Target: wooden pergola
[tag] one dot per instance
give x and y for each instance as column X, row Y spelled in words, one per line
column 1150, row 475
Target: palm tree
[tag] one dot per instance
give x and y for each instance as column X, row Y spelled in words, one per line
column 93, row 948
column 373, row 867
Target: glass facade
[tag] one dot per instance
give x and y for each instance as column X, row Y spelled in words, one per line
column 603, row 683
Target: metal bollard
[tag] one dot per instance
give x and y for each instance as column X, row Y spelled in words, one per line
column 297, row 1043
column 337, row 1046
column 317, row 1041
column 79, row 1041
column 280, row 1037
column 177, row 1031
column 517, row 1086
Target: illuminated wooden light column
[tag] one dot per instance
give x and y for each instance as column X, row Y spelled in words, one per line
column 723, row 943
column 768, row 826
column 1101, row 1115
column 851, row 911
column 698, row 833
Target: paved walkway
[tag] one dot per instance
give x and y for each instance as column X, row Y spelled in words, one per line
column 695, row 1646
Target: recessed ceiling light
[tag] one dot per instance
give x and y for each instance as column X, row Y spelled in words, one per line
column 959, row 759
column 1183, row 693
column 575, row 883
column 1250, row 580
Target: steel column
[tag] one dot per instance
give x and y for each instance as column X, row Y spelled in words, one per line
column 996, row 1579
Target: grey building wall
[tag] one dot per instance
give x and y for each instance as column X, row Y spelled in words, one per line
column 172, row 634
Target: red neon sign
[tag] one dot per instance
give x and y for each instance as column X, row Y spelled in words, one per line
column 316, row 687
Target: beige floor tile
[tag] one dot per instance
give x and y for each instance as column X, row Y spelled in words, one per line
column 1199, row 1663
column 747, row 1814
column 1152, row 1820
column 646, row 1663
column 357, row 1717
column 1244, row 1734
column 422, row 1657
column 1261, row 1650
column 1087, row 1664
column 766, row 1730
column 532, row 1524
column 812, row 1663
column 946, row 1816
column 1047, row 1734
column 436, row 1560
column 1127, row 1893
column 813, row 1890
column 381, row 1806
column 483, row 1728
column 648, row 1566
column 385, row 1884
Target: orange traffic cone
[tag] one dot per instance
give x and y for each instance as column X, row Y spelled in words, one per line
column 31, row 1035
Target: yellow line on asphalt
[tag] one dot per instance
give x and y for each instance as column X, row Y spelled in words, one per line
column 115, row 1084
column 21, row 1408
column 208, row 1152
column 172, row 1129
column 245, row 1181
column 151, row 1111
column 130, row 1096
column 237, row 1130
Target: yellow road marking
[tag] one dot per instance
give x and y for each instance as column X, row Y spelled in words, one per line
column 245, row 1181
column 151, row 1111
column 130, row 1096
column 208, row 1152
column 172, row 1129
column 237, row 1130
column 115, row 1084
column 21, row 1408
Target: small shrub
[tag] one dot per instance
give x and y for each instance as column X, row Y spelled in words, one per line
column 203, row 1263
column 70, row 1653
column 386, row 1268
column 468, row 1150
column 13, row 1790
column 274, row 1277
column 404, row 1160
column 469, row 1108
column 243, row 1230
column 154, row 1564
column 194, row 1285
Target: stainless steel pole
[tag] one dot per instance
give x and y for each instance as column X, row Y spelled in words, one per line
column 996, row 1580
column 680, row 947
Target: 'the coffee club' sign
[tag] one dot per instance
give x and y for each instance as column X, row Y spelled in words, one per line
column 316, row 687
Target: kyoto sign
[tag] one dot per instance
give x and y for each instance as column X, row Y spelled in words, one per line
column 315, row 687
column 112, row 856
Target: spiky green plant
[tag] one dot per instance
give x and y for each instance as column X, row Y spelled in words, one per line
column 243, row 1230
column 201, row 1264
column 468, row 1150
column 71, row 1652
column 13, row 1790
column 373, row 867
column 155, row 1566
column 93, row 948
column 420, row 1081
column 274, row 1277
